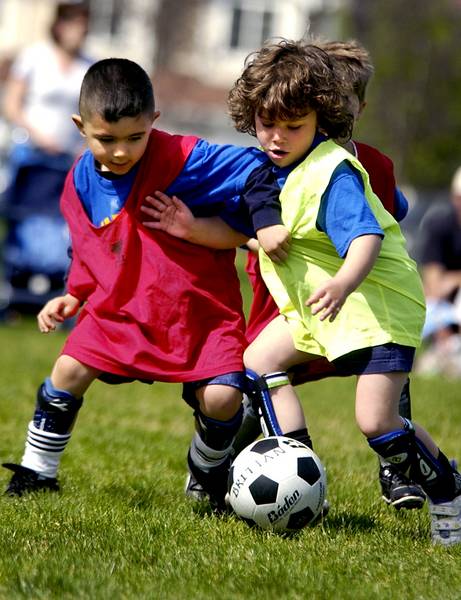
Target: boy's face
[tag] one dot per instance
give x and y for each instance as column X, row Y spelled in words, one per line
column 285, row 142
column 117, row 146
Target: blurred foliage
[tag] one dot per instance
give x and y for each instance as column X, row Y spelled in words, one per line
column 413, row 112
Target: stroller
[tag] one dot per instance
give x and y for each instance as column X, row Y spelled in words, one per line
column 35, row 249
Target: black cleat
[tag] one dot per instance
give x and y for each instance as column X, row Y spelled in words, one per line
column 213, row 484
column 398, row 490
column 194, row 490
column 26, row 480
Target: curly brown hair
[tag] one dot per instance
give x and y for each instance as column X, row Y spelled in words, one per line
column 287, row 80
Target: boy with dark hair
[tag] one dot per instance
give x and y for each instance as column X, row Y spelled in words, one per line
column 148, row 307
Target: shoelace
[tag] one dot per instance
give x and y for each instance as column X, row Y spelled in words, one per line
column 399, row 478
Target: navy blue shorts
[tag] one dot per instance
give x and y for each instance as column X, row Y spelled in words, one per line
column 386, row 358
column 234, row 379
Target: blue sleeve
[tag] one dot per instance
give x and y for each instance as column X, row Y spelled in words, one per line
column 344, row 212
column 401, row 205
column 214, row 176
column 261, row 197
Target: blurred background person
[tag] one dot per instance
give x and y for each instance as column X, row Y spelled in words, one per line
column 41, row 93
column 440, row 261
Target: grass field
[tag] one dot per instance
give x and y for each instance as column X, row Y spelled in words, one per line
column 121, row 528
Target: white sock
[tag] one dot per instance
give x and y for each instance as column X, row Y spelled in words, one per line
column 205, row 457
column 44, row 450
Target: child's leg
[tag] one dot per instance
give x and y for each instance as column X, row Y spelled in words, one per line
column 250, row 429
column 397, row 490
column 72, row 376
column 407, row 446
column 59, row 399
column 267, row 359
column 405, row 400
column 218, row 416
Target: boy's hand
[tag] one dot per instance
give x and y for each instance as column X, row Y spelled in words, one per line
column 328, row 299
column 174, row 217
column 57, row 311
column 360, row 258
column 253, row 245
column 168, row 214
column 275, row 241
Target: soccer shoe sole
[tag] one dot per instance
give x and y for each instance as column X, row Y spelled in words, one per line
column 407, row 502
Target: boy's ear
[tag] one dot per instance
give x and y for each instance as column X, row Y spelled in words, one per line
column 77, row 119
column 156, row 116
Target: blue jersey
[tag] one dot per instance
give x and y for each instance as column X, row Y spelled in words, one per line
column 210, row 183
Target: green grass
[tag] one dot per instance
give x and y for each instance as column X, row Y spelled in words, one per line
column 121, row 528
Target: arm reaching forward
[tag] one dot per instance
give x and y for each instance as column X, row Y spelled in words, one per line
column 171, row 215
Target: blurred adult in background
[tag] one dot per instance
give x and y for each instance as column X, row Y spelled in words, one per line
column 43, row 86
column 41, row 94
column 440, row 261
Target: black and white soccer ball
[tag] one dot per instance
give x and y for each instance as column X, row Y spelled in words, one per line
column 277, row 483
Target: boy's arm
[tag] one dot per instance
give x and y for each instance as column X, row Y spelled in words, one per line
column 253, row 245
column 329, row 298
column 275, row 241
column 174, row 217
column 261, row 197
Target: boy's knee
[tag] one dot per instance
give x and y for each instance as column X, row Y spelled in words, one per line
column 221, row 402
column 372, row 429
column 374, row 425
column 72, row 376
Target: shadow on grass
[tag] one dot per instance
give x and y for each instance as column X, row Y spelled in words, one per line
column 344, row 522
column 349, row 522
column 141, row 497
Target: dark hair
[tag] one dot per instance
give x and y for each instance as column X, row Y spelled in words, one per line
column 286, row 80
column 353, row 64
column 114, row 88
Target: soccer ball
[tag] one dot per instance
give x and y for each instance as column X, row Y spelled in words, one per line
column 277, row 483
